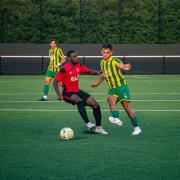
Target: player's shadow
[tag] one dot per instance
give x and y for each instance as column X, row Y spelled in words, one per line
column 77, row 138
column 74, row 139
column 87, row 132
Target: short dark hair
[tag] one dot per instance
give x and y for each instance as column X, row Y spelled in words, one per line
column 107, row 46
column 54, row 41
column 70, row 52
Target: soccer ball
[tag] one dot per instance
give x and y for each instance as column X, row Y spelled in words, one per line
column 66, row 133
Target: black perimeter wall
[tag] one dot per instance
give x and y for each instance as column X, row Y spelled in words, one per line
column 139, row 65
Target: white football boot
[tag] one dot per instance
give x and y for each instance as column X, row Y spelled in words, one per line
column 137, row 131
column 116, row 121
column 100, row 130
column 90, row 126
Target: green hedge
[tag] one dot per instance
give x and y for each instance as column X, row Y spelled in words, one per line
column 90, row 21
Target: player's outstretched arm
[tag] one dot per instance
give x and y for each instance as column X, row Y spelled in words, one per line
column 93, row 72
column 62, row 62
column 125, row 67
column 96, row 84
column 56, row 88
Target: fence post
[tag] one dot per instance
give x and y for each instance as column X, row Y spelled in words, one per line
column 123, row 60
column 164, row 65
column 0, row 64
column 42, row 64
column 83, row 60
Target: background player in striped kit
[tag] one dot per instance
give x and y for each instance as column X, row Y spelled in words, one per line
column 118, row 88
column 56, row 59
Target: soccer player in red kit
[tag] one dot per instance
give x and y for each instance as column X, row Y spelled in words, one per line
column 68, row 78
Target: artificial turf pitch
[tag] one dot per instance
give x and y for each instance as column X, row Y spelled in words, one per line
column 30, row 147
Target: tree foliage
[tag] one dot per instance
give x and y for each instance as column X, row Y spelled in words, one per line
column 90, row 21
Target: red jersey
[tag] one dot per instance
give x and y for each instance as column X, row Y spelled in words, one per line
column 69, row 76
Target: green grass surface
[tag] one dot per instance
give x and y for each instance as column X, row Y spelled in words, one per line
column 30, row 147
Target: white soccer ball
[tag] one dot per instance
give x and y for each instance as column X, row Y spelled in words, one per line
column 66, row 133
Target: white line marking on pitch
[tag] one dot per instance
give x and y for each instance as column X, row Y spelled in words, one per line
column 144, row 80
column 104, row 110
column 155, row 93
column 82, row 80
column 138, row 100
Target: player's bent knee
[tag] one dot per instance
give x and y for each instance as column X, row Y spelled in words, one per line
column 96, row 106
column 109, row 98
column 80, row 103
column 47, row 81
column 112, row 103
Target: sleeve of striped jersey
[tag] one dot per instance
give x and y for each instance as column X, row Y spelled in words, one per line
column 84, row 69
column 117, row 61
column 60, row 52
column 60, row 76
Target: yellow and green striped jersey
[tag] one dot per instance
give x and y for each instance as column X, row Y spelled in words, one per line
column 55, row 56
column 112, row 73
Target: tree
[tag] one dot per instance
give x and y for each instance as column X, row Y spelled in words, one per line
column 90, row 21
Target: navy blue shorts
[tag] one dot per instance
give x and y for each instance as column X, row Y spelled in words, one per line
column 83, row 95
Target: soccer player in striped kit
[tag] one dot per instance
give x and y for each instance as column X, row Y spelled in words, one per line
column 118, row 88
column 56, row 59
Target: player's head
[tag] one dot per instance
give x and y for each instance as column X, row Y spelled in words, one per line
column 53, row 43
column 106, row 51
column 72, row 56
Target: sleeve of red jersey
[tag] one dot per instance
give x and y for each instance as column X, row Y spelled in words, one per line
column 84, row 69
column 60, row 76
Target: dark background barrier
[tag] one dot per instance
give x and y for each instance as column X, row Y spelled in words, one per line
column 38, row 65
column 90, row 49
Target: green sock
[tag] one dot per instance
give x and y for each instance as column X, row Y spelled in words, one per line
column 134, row 121
column 46, row 89
column 115, row 114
